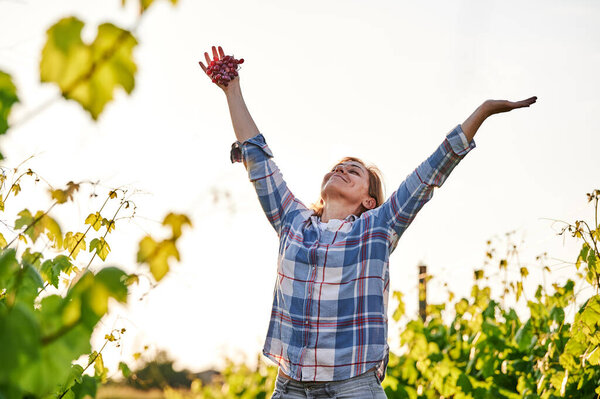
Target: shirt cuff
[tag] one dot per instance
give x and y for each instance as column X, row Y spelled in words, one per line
column 237, row 153
column 458, row 141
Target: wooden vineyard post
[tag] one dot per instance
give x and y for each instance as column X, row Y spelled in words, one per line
column 423, row 292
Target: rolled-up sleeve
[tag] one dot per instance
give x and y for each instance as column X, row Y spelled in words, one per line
column 400, row 209
column 253, row 153
column 277, row 201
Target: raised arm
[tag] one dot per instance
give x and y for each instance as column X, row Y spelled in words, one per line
column 243, row 124
column 275, row 198
column 401, row 208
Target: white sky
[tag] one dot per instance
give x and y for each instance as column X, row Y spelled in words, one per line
column 381, row 80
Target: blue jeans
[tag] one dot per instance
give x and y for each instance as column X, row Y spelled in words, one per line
column 364, row 386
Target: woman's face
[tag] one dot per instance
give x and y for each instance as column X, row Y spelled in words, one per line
column 348, row 181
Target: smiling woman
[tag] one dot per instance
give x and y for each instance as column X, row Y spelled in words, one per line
column 328, row 324
column 350, row 169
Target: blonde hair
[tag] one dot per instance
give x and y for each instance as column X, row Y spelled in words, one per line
column 375, row 187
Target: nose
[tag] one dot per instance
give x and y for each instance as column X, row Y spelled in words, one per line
column 340, row 169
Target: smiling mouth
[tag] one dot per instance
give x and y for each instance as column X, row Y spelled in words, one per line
column 340, row 178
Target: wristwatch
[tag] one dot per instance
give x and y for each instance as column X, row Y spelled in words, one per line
column 236, row 152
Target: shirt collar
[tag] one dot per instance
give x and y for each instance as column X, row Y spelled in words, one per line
column 350, row 218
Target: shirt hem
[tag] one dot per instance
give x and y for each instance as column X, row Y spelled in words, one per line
column 376, row 364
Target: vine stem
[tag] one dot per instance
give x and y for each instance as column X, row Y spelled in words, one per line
column 86, row 367
column 59, row 333
column 105, row 234
column 76, row 244
column 84, row 234
column 595, row 249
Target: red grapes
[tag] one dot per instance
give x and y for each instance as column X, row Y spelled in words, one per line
column 223, row 71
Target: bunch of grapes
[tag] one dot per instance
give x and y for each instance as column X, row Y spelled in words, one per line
column 225, row 70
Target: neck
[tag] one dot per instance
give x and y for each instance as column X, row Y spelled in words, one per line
column 337, row 211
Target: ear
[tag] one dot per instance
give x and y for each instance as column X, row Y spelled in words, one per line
column 369, row 203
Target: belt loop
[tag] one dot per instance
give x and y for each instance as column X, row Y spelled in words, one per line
column 377, row 376
column 330, row 391
column 285, row 385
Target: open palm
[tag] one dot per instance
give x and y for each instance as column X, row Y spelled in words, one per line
column 216, row 57
column 498, row 106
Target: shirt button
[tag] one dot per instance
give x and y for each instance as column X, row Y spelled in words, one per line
column 306, row 322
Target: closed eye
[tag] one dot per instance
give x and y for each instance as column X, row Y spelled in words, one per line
column 351, row 171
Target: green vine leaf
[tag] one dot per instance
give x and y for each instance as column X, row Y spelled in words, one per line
column 110, row 224
column 101, row 247
column 583, row 254
column 43, row 224
column 156, row 255
column 124, row 369
column 524, row 336
column 25, row 219
column 31, row 258
column 52, row 230
column 176, row 221
column 16, row 188
column 400, row 309
column 87, row 387
column 74, row 242
column 8, row 267
column 88, row 73
column 61, row 196
column 100, row 371
column 8, row 97
column 73, row 378
column 94, row 220
column 51, row 269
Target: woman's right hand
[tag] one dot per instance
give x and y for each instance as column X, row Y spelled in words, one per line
column 233, row 84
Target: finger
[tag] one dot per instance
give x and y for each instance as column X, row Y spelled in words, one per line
column 525, row 103
column 207, row 58
column 202, row 66
column 215, row 55
column 221, row 52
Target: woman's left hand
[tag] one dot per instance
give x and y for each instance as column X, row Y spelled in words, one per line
column 498, row 106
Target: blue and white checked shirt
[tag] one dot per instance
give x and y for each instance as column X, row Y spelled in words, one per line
column 329, row 317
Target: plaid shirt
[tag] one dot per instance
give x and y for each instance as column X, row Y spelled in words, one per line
column 329, row 317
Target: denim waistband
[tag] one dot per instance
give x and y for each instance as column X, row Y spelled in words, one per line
column 286, row 382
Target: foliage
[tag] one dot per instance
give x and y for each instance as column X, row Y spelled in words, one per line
column 50, row 304
column 237, row 380
column 486, row 351
column 158, row 372
column 43, row 335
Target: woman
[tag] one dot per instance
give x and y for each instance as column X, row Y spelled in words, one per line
column 328, row 327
